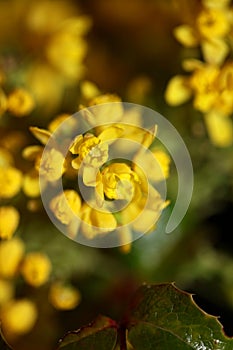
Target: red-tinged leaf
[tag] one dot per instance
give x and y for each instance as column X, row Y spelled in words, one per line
column 162, row 317
column 101, row 334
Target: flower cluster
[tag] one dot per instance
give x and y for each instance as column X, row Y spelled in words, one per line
column 209, row 81
column 108, row 184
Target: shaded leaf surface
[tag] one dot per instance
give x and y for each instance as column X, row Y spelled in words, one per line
column 101, row 334
column 164, row 317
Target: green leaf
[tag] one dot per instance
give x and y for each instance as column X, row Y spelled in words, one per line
column 165, row 318
column 3, row 343
column 101, row 334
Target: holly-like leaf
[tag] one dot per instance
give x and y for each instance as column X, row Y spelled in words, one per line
column 163, row 317
column 101, row 334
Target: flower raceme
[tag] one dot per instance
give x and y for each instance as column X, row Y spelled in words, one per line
column 102, row 193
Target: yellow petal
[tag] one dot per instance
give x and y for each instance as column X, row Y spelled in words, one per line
column 32, row 152
column 111, row 133
column 74, row 148
column 191, row 64
column 41, row 134
column 186, row 35
column 177, row 91
column 89, row 176
column 102, row 220
column 89, row 90
column 220, row 129
column 215, row 51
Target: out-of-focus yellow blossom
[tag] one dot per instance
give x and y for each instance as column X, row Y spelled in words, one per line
column 9, row 220
column 212, row 91
column 6, row 291
column 52, row 166
column 68, row 43
column 178, row 91
column 36, row 268
column 212, row 25
column 18, row 317
column 11, row 254
column 6, row 157
column 3, row 102
column 65, row 206
column 220, row 129
column 10, row 181
column 89, row 90
column 64, row 297
column 95, row 222
column 31, row 185
column 20, row 102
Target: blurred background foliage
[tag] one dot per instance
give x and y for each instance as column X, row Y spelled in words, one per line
column 127, row 48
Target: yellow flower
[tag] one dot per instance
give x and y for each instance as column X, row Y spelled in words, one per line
column 10, row 181
column 20, row 102
column 9, row 220
column 11, row 254
column 213, row 23
column 68, row 43
column 118, row 181
column 220, row 129
column 31, row 185
column 18, row 317
column 51, row 166
column 36, row 268
column 93, row 150
column 64, row 297
column 95, row 222
column 178, row 91
column 6, row 291
column 65, row 206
